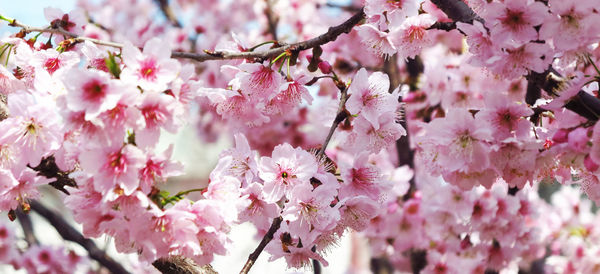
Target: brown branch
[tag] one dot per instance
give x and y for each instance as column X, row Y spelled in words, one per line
column 50, row 170
column 181, row 265
column 69, row 233
column 330, row 35
column 265, row 240
column 168, row 12
column 340, row 116
column 342, row 7
column 272, row 20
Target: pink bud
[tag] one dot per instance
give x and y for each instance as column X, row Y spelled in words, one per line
column 578, row 139
column 560, row 136
column 308, row 57
column 589, row 164
column 325, row 67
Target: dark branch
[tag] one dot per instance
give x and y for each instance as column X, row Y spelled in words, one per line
column 181, row 265
column 3, row 108
column 27, row 227
column 340, row 116
column 447, row 26
column 71, row 234
column 272, row 20
column 168, row 12
column 265, row 240
column 457, row 10
column 50, row 170
column 330, row 35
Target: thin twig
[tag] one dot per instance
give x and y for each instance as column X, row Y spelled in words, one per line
column 181, row 265
column 71, row 234
column 340, row 116
column 74, row 38
column 263, row 243
column 330, row 35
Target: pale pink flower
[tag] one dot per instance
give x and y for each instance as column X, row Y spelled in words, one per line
column 576, row 25
column 151, row 69
column 376, row 41
column 259, row 212
column 364, row 136
column 515, row 19
column 53, row 61
column 16, row 191
column 370, row 98
column 507, row 118
column 240, row 162
column 73, row 21
column 412, row 35
column 33, row 127
column 515, row 61
column 159, row 111
column 462, row 141
column 357, row 212
column 291, row 93
column 287, row 168
column 309, row 209
column 259, row 81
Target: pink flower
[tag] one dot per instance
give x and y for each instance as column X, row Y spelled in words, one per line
column 309, row 209
column 515, row 19
column 158, row 168
column 376, row 41
column 114, row 167
column 357, row 212
column 159, row 111
column 370, row 98
column 575, row 26
column 287, row 168
column 239, row 162
column 362, row 178
column 505, row 117
column 53, row 61
column 16, row 191
column 462, row 141
column 291, row 93
column 412, row 35
column 364, row 136
column 259, row 81
column 33, row 127
column 259, row 212
column 151, row 69
column 91, row 91
column 578, row 139
column 73, row 21
column 514, row 61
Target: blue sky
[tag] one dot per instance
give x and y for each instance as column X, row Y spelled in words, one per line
column 30, row 12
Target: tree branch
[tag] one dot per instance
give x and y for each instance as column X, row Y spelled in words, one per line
column 330, row 35
column 181, row 265
column 168, row 12
column 271, row 20
column 71, row 234
column 3, row 108
column 340, row 116
column 265, row 240
column 27, row 227
column 457, row 10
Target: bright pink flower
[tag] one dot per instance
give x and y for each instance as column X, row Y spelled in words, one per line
column 91, row 91
column 578, row 139
column 53, row 61
column 287, row 168
column 290, row 95
column 151, row 69
column 158, row 168
column 362, row 178
column 159, row 111
column 370, row 98
column 114, row 167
